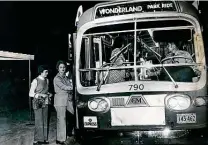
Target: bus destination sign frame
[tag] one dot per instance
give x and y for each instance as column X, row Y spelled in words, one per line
column 133, row 8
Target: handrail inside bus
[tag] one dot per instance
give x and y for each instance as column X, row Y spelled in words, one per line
column 139, row 66
column 117, row 54
column 146, row 46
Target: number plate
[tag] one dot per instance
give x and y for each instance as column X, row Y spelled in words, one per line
column 186, row 118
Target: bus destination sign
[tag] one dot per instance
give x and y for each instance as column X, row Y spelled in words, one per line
column 135, row 7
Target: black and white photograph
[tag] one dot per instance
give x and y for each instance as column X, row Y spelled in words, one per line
column 119, row 72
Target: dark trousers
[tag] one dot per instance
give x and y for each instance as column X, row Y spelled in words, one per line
column 70, row 123
column 41, row 124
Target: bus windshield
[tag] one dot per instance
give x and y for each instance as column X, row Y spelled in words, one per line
column 139, row 51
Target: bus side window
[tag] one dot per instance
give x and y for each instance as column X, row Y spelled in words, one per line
column 87, row 61
column 98, row 60
column 82, row 57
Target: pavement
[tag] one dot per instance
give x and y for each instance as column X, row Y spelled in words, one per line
column 14, row 132
column 22, row 133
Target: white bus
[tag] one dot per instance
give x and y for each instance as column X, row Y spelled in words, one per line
column 139, row 66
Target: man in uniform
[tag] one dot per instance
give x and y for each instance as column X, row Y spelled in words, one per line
column 183, row 57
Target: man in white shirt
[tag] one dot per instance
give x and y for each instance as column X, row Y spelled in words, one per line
column 41, row 99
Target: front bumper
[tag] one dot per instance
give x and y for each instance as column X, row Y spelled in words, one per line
column 104, row 121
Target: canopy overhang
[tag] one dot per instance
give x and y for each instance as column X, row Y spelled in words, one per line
column 5, row 55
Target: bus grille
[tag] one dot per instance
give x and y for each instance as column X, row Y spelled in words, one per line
column 117, row 102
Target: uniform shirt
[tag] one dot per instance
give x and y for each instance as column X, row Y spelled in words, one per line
column 181, row 53
column 182, row 60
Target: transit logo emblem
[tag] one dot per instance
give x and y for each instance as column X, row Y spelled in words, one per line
column 137, row 100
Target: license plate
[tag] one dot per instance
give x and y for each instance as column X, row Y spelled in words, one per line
column 186, row 118
column 90, row 122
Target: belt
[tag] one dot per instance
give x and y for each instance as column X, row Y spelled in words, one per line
column 70, row 92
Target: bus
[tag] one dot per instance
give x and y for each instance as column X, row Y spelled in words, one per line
column 139, row 66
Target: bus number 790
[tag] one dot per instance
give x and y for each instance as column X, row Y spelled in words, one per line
column 136, row 87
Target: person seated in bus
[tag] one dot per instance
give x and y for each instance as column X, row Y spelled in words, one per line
column 116, row 76
column 174, row 52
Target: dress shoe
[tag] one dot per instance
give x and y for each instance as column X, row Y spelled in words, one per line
column 36, row 143
column 71, row 139
column 60, row 142
column 46, row 142
column 40, row 142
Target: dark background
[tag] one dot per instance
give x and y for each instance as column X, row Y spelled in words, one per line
column 36, row 28
column 40, row 29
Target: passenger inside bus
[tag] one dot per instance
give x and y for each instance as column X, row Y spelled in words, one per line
column 117, row 60
column 174, row 51
column 147, row 55
column 183, row 73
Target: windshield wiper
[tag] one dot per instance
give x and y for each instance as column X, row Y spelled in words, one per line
column 102, row 80
column 156, row 54
column 174, row 82
column 147, row 47
column 117, row 54
column 176, row 86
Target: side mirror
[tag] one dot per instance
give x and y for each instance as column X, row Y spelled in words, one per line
column 69, row 40
column 69, row 48
column 79, row 13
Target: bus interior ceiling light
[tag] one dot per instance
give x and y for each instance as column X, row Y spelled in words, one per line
column 99, row 104
column 178, row 102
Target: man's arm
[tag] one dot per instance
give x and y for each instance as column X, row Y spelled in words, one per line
column 49, row 94
column 32, row 89
column 190, row 60
column 58, row 82
column 155, row 73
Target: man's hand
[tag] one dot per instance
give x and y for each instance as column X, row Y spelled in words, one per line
column 149, row 73
column 50, row 95
column 43, row 95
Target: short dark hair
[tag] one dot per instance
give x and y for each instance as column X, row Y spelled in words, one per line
column 41, row 68
column 60, row 62
column 118, row 42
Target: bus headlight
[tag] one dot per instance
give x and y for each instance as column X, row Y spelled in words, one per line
column 172, row 102
column 178, row 102
column 99, row 104
column 93, row 104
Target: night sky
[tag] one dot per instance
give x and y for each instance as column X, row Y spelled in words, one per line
column 39, row 28
column 42, row 28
